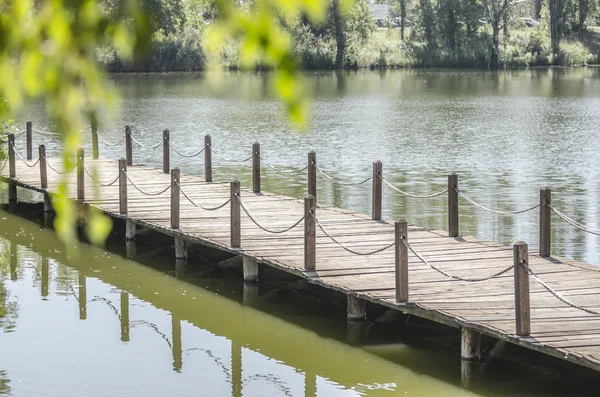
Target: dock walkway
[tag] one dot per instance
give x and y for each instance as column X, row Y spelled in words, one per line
column 460, row 282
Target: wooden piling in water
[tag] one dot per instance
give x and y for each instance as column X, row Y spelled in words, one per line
column 250, row 268
column 356, row 308
column 312, row 174
column 207, row 159
column 452, row 205
column 256, row 167
column 401, row 261
column 175, row 195
column 545, row 222
column 234, row 214
column 470, row 344
column 181, row 252
column 43, row 167
column 128, row 145
column 522, row 307
column 122, row 186
column 12, row 169
column 166, row 152
column 29, row 129
column 310, row 235
column 80, row 176
column 377, row 197
column 95, row 150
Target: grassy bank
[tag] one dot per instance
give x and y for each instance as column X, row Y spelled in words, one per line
column 525, row 47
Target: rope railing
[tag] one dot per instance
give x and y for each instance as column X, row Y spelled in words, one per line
column 229, row 160
column 411, row 194
column 105, row 142
column 271, row 166
column 508, row 213
column 97, row 181
column 60, row 172
column 47, row 133
column 253, row 219
column 198, row 205
column 23, row 160
column 559, row 296
column 337, row 181
column 187, row 155
column 350, row 250
column 140, row 144
column 573, row 222
column 143, row 191
column 446, row 274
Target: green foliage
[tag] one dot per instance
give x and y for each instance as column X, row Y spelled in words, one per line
column 45, row 52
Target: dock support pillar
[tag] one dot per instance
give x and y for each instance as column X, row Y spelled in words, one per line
column 48, row 208
column 250, row 294
column 470, row 344
column 128, row 145
column 250, row 266
column 12, row 172
column 376, row 203
column 469, row 372
column 181, row 252
column 545, row 222
column 356, row 308
column 207, row 159
column 312, row 174
column 130, row 230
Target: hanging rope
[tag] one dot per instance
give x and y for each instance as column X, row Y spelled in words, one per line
column 340, row 182
column 376, row 251
column 559, row 296
column 410, row 194
column 143, row 191
column 23, row 160
column 286, row 229
column 108, row 143
column 271, row 166
column 229, row 160
column 57, row 171
column 573, row 222
column 145, row 146
column 461, row 194
column 187, row 155
column 198, row 205
column 469, row 280
column 97, row 181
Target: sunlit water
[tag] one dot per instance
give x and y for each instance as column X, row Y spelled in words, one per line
column 85, row 321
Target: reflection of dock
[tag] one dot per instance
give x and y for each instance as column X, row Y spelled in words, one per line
column 247, row 328
column 460, row 282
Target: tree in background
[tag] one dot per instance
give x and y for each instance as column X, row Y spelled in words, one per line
column 558, row 23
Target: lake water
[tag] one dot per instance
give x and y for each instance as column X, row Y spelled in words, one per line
column 85, row 321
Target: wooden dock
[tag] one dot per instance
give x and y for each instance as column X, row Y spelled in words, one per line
column 458, row 281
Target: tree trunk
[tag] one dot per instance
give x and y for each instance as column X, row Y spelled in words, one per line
column 538, row 9
column 402, row 18
column 451, row 27
column 583, row 10
column 557, row 10
column 427, row 21
column 340, row 37
column 494, row 61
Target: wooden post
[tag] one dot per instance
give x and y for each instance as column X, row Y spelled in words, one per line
column 522, row 309
column 82, row 296
column 122, row 186
column 256, row 167
column 356, row 308
column 166, row 153
column 128, row 145
column 545, row 222
column 45, row 274
column 452, row 205
column 12, row 170
column 234, row 213
column 250, row 266
column 175, row 198
column 43, row 167
column 181, row 252
column 29, row 129
column 470, row 344
column 312, row 174
column 207, row 159
column 376, row 197
column 310, row 235
column 130, row 230
column 95, row 152
column 401, row 254
column 80, row 176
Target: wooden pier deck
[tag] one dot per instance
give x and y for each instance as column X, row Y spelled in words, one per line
column 485, row 307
